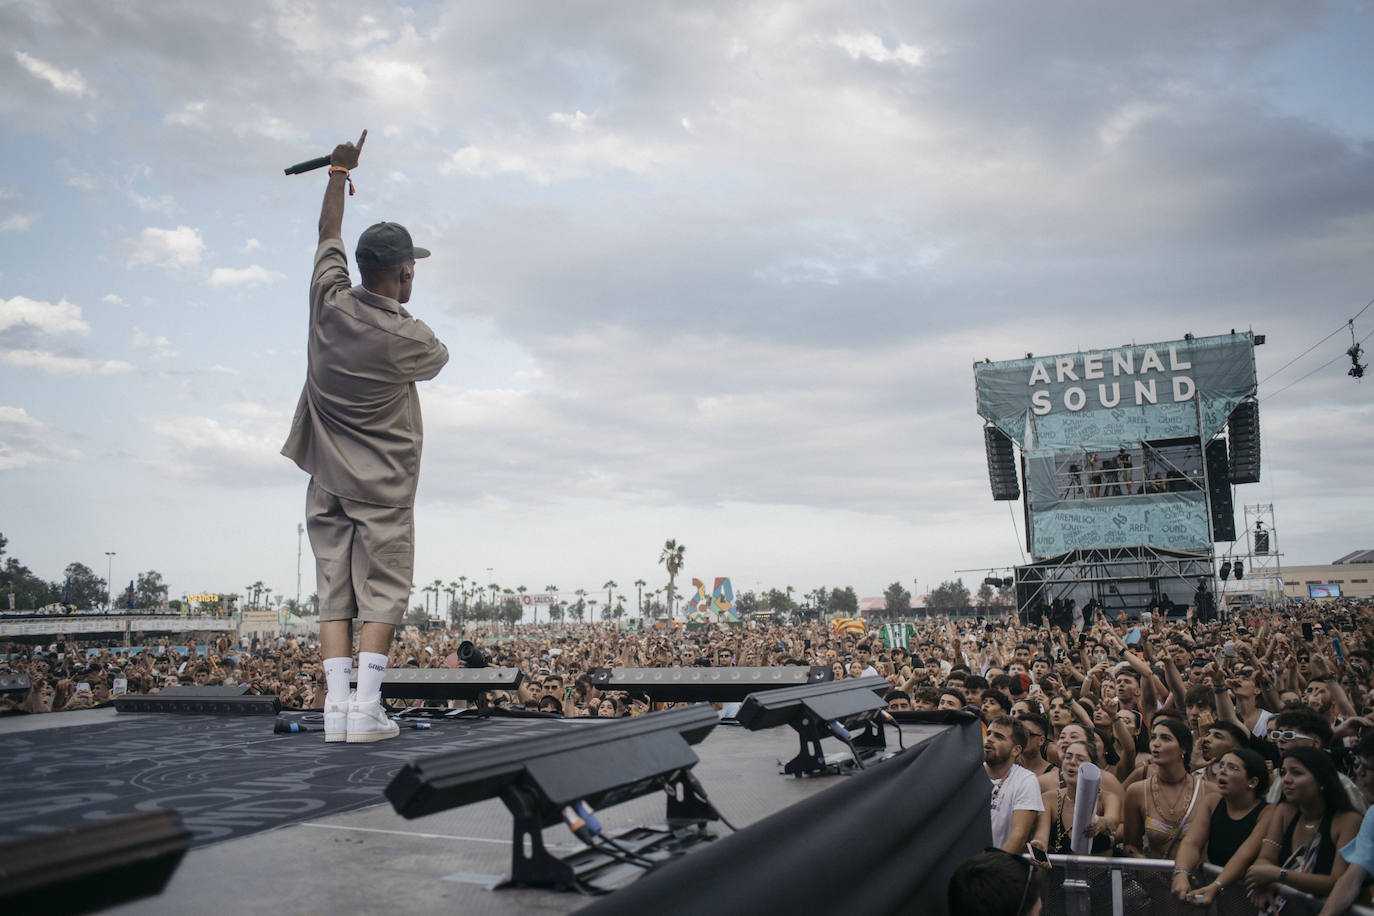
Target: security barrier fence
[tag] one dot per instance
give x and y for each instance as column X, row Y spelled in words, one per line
column 1093, row 886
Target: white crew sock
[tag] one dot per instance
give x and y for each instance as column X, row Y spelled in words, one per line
column 336, row 672
column 371, row 666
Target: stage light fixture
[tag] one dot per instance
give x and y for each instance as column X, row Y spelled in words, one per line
column 821, row 711
column 1225, row 570
column 197, row 700
column 701, row 684
column 93, row 867
column 443, row 683
column 1239, row 569
column 596, row 763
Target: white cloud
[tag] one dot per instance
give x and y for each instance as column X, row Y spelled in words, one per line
column 82, row 180
column 251, row 245
column 223, row 370
column 61, row 318
column 161, row 344
column 19, row 222
column 577, row 144
column 56, row 364
column 192, row 114
column 17, row 416
column 1126, row 119
column 24, row 441
column 170, row 248
column 204, row 448
column 114, row 299
column 872, row 47
column 244, row 276
column 68, row 82
column 164, row 204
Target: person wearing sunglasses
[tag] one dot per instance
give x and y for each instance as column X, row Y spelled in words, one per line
column 996, row 883
column 1226, row 823
column 1302, row 727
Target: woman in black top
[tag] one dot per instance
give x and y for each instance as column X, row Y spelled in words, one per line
column 1225, row 822
column 1312, row 822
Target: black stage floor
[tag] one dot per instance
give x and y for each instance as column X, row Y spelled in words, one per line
column 288, row 824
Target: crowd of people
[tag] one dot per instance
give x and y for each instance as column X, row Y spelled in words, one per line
column 1247, row 743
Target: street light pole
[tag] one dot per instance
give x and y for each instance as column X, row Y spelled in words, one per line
column 109, row 580
column 300, row 530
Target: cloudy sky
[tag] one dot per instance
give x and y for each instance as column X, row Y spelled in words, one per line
column 715, row 272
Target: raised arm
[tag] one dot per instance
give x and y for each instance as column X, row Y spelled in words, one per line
column 345, row 156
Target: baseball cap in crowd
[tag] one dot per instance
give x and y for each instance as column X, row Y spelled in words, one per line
column 386, row 245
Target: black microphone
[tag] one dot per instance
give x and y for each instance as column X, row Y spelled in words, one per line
column 285, row 726
column 308, row 166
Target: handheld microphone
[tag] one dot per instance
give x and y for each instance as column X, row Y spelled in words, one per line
column 308, row 166
column 285, row 726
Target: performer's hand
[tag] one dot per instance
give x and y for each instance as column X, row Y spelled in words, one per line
column 346, row 154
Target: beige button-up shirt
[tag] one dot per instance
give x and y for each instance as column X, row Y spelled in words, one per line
column 357, row 428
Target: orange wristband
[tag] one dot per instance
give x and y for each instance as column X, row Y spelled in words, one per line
column 347, row 178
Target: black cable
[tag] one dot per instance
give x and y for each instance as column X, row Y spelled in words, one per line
column 644, row 861
column 901, row 743
column 858, row 761
column 1016, row 532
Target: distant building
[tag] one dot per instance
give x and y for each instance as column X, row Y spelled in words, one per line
column 1353, row 574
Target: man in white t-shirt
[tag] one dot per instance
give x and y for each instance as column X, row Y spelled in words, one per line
column 1016, row 802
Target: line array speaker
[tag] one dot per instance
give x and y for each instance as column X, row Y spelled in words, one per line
column 1219, row 492
column 1244, row 433
column 1001, row 464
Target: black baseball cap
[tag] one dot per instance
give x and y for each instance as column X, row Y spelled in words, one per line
column 386, row 245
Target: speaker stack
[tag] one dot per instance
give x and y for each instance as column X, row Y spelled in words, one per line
column 1219, row 492
column 1001, row 464
column 1243, row 431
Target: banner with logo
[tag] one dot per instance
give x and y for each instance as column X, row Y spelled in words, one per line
column 1166, row 390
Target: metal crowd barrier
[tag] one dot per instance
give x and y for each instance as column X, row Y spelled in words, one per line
column 1095, row 886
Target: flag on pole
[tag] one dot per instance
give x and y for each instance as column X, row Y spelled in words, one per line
column 129, row 595
column 67, row 591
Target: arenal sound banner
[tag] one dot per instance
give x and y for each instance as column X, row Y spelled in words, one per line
column 1155, row 391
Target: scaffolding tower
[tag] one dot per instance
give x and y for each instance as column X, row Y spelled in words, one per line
column 1261, row 579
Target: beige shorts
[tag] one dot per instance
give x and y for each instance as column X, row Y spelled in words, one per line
column 364, row 556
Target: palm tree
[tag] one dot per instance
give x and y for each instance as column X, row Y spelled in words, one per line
column 672, row 559
column 462, row 585
column 608, row 585
column 551, row 590
column 639, row 584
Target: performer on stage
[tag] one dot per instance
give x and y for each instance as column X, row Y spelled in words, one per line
column 357, row 432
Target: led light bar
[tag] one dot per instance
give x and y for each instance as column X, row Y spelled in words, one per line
column 714, row 685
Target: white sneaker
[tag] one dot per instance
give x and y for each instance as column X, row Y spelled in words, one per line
column 336, row 720
column 369, row 722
